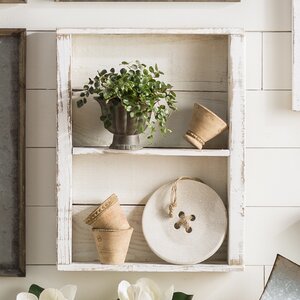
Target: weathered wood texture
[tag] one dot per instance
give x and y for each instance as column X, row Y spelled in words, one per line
column 125, row 175
column 296, row 57
column 84, row 248
column 89, row 132
column 64, row 151
column 153, row 152
column 236, row 176
column 12, row 152
column 197, row 69
column 206, row 67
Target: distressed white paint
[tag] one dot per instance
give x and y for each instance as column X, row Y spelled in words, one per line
column 296, row 57
column 143, row 267
column 153, row 152
column 84, row 249
column 64, row 152
column 140, row 175
column 150, row 31
column 236, row 177
column 234, row 80
column 89, row 131
column 275, row 108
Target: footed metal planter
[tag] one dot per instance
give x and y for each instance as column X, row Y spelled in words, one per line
column 125, row 129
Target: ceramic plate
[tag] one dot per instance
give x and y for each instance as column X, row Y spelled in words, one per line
column 206, row 215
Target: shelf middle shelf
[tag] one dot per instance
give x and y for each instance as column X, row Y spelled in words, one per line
column 154, row 151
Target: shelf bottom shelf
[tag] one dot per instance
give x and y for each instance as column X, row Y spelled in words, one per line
column 147, row 267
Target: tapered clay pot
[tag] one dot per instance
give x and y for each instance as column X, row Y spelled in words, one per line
column 112, row 245
column 126, row 130
column 108, row 215
column 204, row 126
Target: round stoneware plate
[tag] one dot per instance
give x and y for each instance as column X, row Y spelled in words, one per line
column 206, row 216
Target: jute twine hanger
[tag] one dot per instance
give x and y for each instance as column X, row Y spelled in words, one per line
column 173, row 203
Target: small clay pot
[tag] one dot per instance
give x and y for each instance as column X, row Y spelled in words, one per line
column 112, row 245
column 108, row 215
column 204, row 126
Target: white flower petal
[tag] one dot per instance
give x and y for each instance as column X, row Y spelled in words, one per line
column 136, row 292
column 26, row 296
column 168, row 294
column 52, row 294
column 123, row 290
column 150, row 287
column 69, row 291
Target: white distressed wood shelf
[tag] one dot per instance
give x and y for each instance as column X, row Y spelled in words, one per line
column 296, row 58
column 206, row 66
column 146, row 267
column 153, row 151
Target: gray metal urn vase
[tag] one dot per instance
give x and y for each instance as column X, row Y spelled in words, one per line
column 124, row 128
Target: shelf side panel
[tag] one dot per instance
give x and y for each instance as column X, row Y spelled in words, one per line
column 64, row 150
column 296, row 58
column 236, row 102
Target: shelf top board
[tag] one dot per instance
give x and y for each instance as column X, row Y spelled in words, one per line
column 203, row 31
column 153, row 151
column 144, row 267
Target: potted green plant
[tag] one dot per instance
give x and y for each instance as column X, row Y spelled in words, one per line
column 132, row 100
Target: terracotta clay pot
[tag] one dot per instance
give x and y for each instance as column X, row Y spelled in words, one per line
column 204, row 126
column 112, row 245
column 108, row 215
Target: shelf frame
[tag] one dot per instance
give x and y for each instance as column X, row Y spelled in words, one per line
column 235, row 153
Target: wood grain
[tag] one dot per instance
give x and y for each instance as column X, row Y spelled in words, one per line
column 296, row 51
column 84, row 249
column 88, row 130
column 95, row 176
column 217, row 79
column 64, row 151
column 198, row 62
column 236, row 170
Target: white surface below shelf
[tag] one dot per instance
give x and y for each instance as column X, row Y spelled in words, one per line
column 154, row 151
column 148, row 267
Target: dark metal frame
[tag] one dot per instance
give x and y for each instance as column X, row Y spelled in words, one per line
column 12, row 1
column 20, row 270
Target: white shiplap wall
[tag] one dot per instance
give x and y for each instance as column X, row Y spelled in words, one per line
column 273, row 139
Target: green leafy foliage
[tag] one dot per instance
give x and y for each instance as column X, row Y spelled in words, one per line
column 35, row 290
column 181, row 296
column 139, row 90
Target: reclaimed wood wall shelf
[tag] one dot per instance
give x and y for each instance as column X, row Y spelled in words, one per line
column 204, row 65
